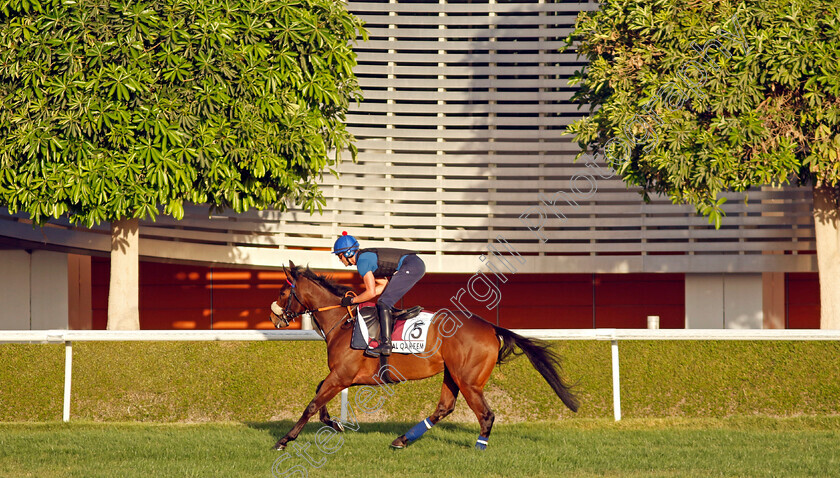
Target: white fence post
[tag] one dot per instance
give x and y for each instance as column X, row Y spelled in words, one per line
column 344, row 394
column 616, row 382
column 68, row 377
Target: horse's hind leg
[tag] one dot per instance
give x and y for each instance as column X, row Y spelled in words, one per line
column 326, row 391
column 325, row 415
column 475, row 399
column 448, row 395
column 471, row 380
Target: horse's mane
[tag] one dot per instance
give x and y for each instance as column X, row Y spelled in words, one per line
column 335, row 289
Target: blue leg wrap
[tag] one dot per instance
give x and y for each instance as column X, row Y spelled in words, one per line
column 481, row 443
column 418, row 430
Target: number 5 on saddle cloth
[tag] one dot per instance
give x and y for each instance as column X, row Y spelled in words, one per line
column 409, row 334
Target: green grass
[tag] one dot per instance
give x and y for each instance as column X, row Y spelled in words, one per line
column 268, row 381
column 578, row 447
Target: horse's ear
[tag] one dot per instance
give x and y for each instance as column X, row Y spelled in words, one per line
column 293, row 270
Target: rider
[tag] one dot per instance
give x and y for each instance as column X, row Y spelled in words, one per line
column 386, row 271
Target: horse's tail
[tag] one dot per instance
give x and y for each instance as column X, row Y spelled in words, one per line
column 545, row 360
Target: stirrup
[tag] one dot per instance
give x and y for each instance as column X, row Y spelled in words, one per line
column 371, row 351
column 382, row 349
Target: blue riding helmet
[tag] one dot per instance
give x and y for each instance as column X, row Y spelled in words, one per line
column 347, row 245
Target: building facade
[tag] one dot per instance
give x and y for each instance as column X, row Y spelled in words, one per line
column 462, row 157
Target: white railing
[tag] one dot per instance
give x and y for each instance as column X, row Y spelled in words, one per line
column 70, row 336
column 613, row 335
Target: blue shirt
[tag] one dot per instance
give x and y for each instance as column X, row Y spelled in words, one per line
column 368, row 262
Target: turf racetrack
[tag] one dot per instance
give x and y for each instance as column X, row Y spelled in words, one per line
column 804, row 446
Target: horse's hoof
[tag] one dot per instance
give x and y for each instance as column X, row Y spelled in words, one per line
column 337, row 426
column 279, row 446
column 399, row 443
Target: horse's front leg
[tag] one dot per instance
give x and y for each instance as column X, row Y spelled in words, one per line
column 328, row 389
column 325, row 415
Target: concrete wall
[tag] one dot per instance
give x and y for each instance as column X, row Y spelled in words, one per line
column 14, row 290
column 773, row 297
column 717, row 301
column 703, row 301
column 743, row 304
column 48, row 304
column 33, row 290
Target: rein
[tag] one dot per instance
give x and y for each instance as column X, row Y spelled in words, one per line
column 347, row 318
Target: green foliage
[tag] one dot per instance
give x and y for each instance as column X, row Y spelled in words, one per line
column 118, row 109
column 691, row 99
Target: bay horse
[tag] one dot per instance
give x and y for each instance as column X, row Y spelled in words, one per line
column 466, row 356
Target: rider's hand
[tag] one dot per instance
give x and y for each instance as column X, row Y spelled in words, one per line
column 347, row 301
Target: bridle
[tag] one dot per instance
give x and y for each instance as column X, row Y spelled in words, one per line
column 285, row 315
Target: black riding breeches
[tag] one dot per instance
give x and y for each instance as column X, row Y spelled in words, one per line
column 412, row 270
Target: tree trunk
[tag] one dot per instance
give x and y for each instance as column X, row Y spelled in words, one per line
column 124, row 290
column 826, row 222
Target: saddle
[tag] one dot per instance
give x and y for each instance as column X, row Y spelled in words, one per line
column 363, row 339
column 368, row 317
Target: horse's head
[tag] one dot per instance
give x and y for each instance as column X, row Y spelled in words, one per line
column 306, row 292
column 288, row 306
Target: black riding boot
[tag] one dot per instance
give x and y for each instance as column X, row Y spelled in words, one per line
column 385, row 322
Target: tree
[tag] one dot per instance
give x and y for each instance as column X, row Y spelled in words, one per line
column 115, row 111
column 691, row 99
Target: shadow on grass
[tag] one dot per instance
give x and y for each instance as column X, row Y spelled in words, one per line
column 279, row 429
